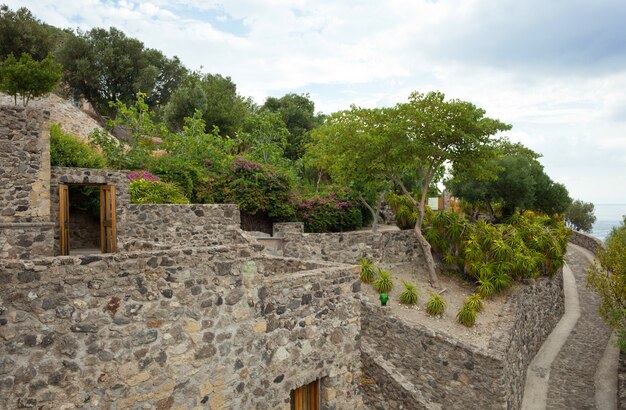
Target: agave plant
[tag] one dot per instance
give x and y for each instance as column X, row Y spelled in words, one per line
column 474, row 301
column 486, row 287
column 384, row 283
column 466, row 316
column 368, row 270
column 410, row 294
column 436, row 305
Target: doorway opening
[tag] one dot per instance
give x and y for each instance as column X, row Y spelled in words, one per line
column 306, row 397
column 87, row 219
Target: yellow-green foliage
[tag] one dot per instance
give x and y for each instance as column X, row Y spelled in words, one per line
column 608, row 277
column 144, row 191
column 475, row 302
column 410, row 294
column 368, row 270
column 466, row 316
column 384, row 283
column 436, row 305
column 495, row 255
column 67, row 150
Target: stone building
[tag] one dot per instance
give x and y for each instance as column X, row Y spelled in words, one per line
column 156, row 306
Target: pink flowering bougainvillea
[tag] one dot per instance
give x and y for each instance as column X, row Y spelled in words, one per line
column 135, row 175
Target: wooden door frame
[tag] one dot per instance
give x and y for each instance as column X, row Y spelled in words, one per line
column 108, row 217
column 64, row 220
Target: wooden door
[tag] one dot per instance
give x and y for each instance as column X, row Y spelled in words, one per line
column 306, row 397
column 64, row 220
column 108, row 231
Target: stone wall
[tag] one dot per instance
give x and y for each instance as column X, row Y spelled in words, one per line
column 186, row 225
column 86, row 176
column 592, row 244
column 25, row 229
column 26, row 240
column 25, row 165
column 213, row 327
column 415, row 367
column 389, row 247
column 84, row 230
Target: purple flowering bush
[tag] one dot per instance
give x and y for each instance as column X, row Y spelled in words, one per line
column 135, row 175
column 332, row 212
column 256, row 188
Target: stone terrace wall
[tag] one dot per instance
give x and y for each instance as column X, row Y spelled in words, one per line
column 586, row 241
column 25, row 228
column 25, row 165
column 183, row 328
column 390, row 247
column 433, row 370
column 186, row 225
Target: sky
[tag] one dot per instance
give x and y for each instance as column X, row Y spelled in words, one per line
column 555, row 70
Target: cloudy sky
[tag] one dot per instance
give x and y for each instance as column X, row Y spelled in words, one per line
column 555, row 70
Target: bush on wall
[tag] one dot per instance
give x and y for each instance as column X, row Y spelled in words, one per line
column 255, row 187
column 330, row 212
column 67, row 150
column 146, row 188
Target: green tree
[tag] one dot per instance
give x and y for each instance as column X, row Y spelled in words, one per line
column 29, row 78
column 263, row 137
column 21, row 32
column 418, row 138
column 429, row 132
column 515, row 179
column 580, row 216
column 298, row 113
column 215, row 97
column 106, row 65
column 346, row 148
column 608, row 277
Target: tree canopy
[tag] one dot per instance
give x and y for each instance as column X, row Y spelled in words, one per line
column 579, row 215
column 28, row 78
column 413, row 138
column 515, row 179
column 298, row 114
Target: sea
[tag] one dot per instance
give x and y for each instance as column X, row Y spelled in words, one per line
column 607, row 217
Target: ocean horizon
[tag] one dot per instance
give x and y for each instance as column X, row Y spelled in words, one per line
column 608, row 216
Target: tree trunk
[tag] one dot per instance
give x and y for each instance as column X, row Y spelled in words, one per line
column 372, row 211
column 428, row 256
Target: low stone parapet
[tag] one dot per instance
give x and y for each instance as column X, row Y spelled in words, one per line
column 592, row 244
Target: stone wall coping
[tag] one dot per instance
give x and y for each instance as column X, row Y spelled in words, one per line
column 586, row 241
column 26, row 224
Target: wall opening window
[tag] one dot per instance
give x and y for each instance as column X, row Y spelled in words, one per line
column 306, row 397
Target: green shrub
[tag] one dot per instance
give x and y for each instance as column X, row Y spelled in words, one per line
column 145, row 191
column 368, row 270
column 466, row 316
column 384, row 283
column 474, row 301
column 256, row 188
column 67, row 150
column 409, row 295
column 436, row 305
column 332, row 212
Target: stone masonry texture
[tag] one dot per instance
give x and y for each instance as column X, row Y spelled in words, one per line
column 205, row 327
column 412, row 367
